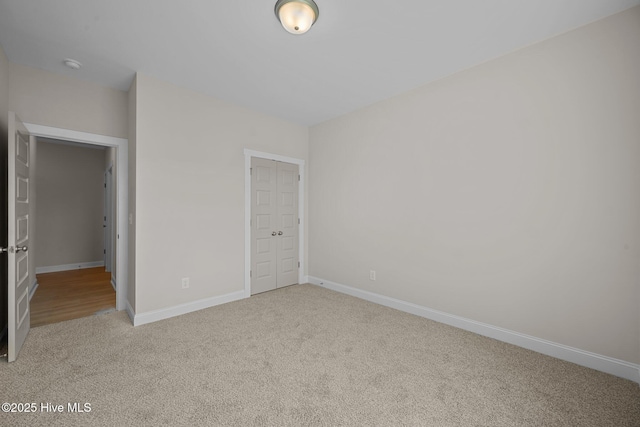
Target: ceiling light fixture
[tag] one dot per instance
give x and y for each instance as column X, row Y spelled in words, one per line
column 296, row 16
column 72, row 63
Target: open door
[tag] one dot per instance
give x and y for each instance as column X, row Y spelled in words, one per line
column 18, row 235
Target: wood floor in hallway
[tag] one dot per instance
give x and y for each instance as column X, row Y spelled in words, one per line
column 72, row 294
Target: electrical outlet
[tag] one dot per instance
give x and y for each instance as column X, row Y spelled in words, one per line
column 372, row 275
column 185, row 282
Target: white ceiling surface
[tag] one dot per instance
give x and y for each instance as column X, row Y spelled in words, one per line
column 357, row 53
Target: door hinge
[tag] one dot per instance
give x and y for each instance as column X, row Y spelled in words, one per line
column 104, row 251
column 105, row 185
column 298, row 221
column 298, row 264
column 298, row 177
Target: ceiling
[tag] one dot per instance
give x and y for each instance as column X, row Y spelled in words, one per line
column 357, row 53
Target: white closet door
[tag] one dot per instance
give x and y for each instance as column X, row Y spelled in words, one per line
column 274, row 225
column 287, row 214
column 263, row 225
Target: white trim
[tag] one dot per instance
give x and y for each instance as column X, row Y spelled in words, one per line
column 130, row 312
column 177, row 310
column 113, row 283
column 248, row 154
column 72, row 144
column 67, row 267
column 619, row 368
column 74, row 136
column 122, row 241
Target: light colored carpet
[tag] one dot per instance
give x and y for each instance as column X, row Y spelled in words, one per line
column 302, row 355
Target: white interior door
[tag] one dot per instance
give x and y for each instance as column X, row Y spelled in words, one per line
column 263, row 225
column 18, row 236
column 287, row 217
column 274, row 225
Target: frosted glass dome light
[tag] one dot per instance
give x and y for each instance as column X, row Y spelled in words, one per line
column 296, row 16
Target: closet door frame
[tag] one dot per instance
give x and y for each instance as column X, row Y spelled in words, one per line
column 248, row 154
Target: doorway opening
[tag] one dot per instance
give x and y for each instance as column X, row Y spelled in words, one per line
column 72, row 219
column 119, row 170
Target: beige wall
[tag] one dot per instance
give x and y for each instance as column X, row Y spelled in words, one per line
column 132, row 97
column 190, row 190
column 507, row 193
column 50, row 99
column 69, row 186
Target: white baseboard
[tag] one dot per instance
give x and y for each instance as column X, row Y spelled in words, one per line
column 113, row 283
column 66, row 267
column 130, row 312
column 619, row 368
column 165, row 313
